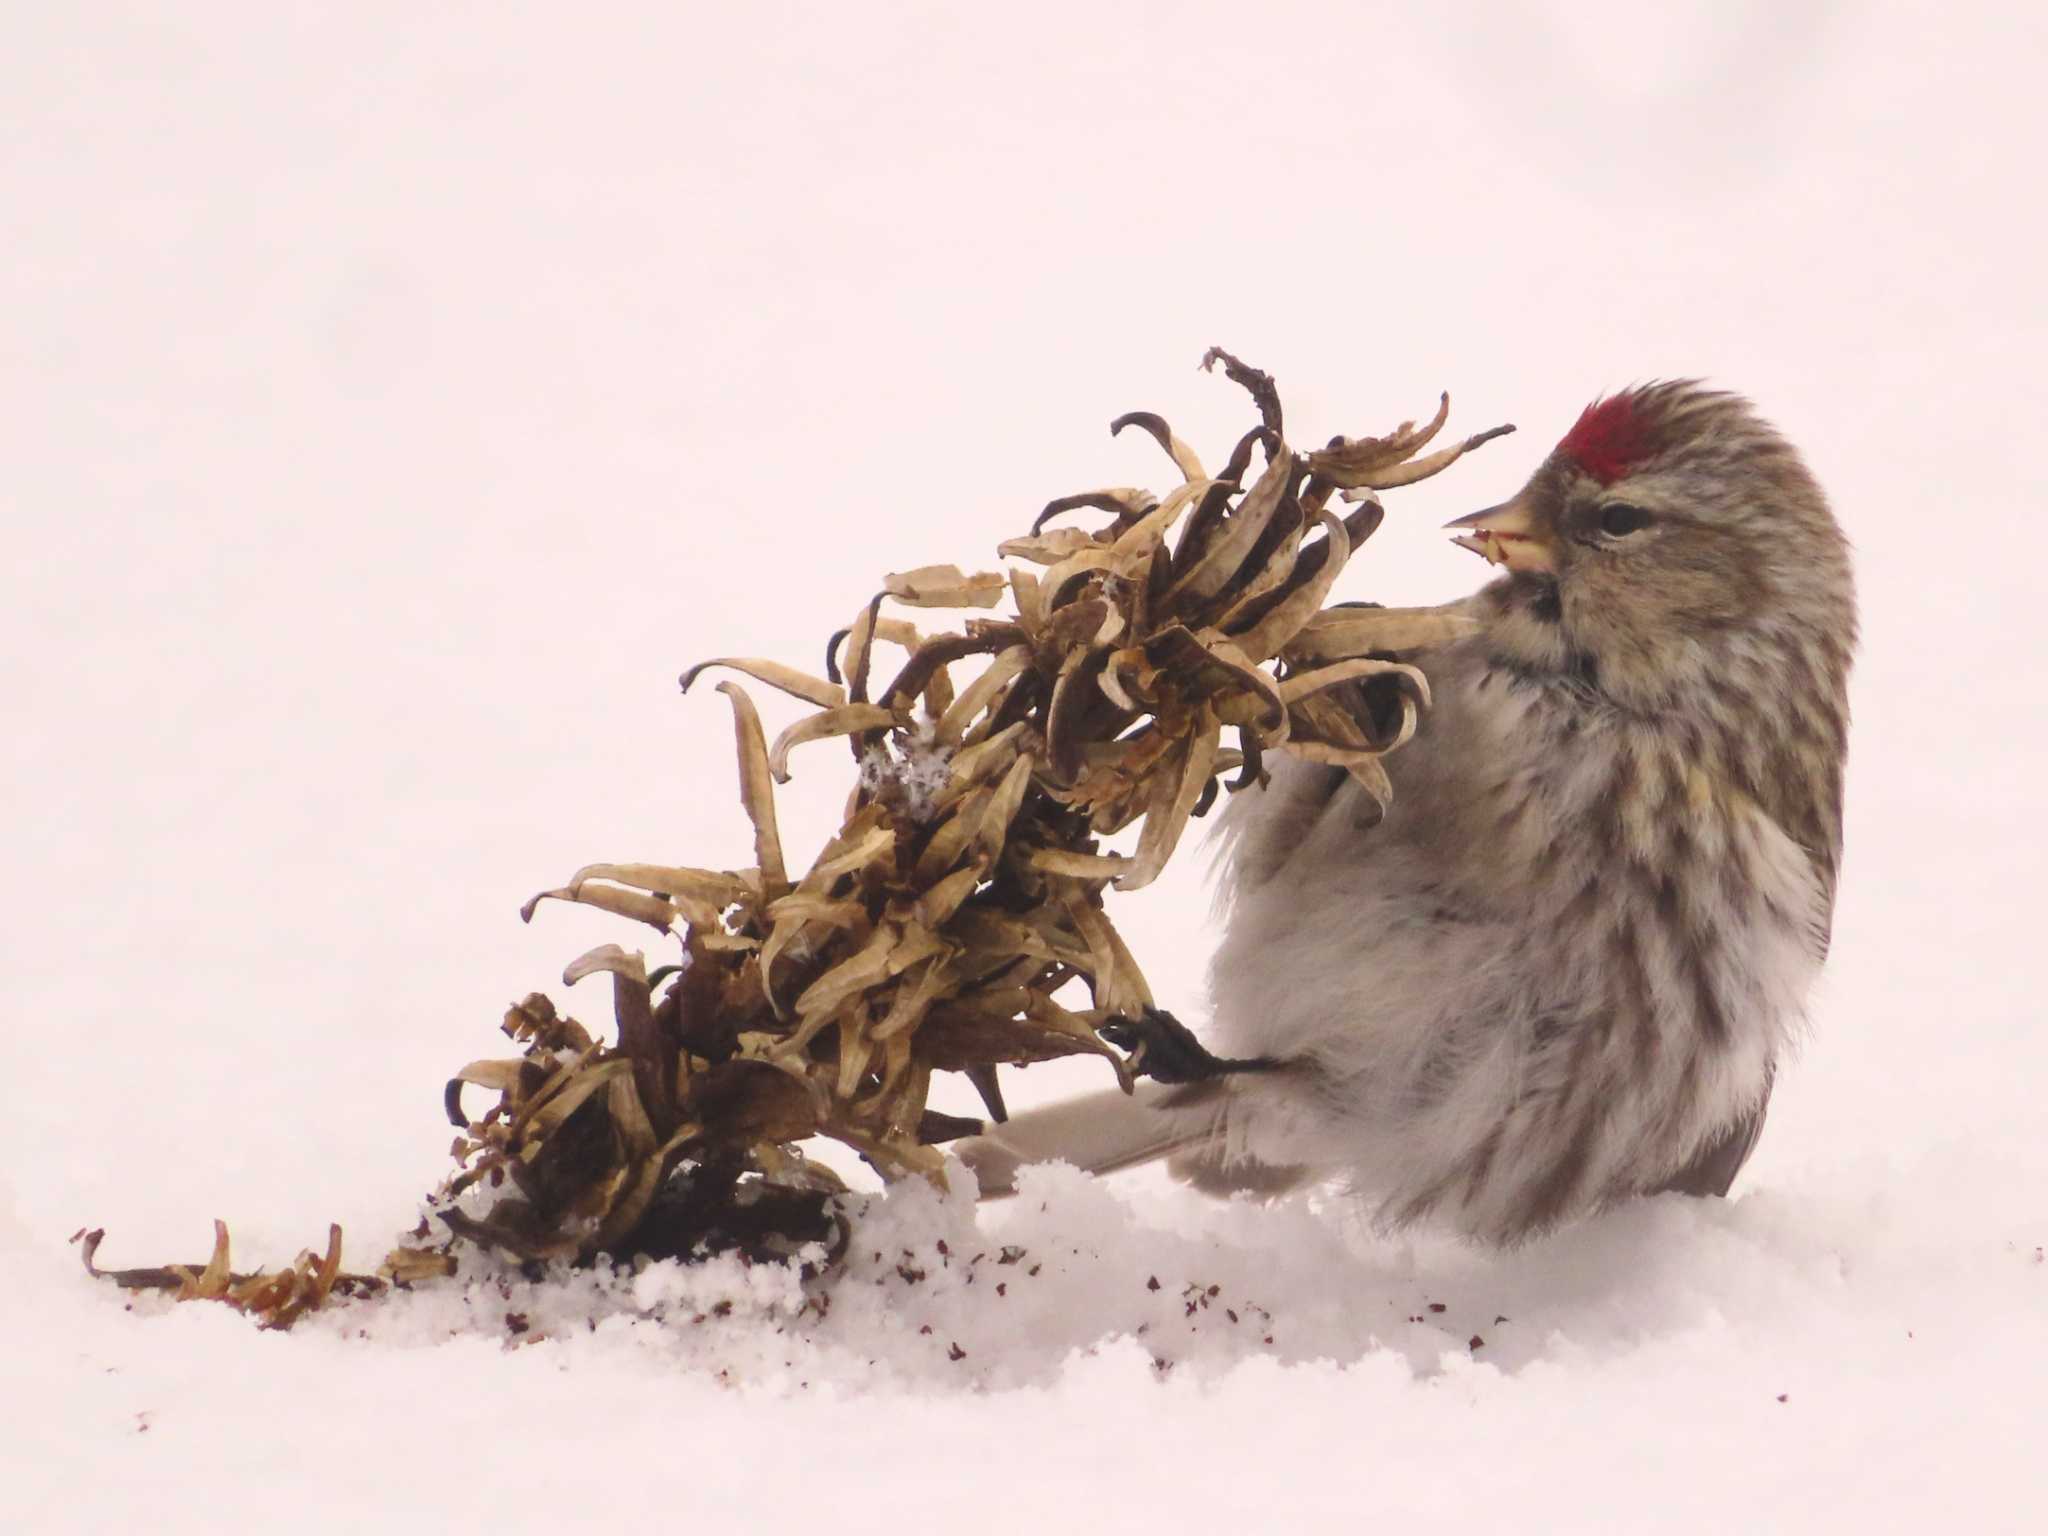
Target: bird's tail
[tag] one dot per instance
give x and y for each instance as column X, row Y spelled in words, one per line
column 1107, row 1131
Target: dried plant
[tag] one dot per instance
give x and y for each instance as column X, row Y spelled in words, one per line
column 963, row 894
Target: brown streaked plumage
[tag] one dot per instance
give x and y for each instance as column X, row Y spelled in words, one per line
column 1561, row 969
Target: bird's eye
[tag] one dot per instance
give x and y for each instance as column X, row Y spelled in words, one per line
column 1618, row 518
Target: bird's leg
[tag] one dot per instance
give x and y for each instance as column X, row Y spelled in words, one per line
column 1166, row 1050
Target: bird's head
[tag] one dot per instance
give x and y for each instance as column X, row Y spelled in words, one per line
column 1671, row 536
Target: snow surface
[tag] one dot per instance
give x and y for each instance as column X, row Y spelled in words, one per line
column 394, row 399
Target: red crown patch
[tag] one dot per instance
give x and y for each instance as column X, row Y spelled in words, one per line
column 1607, row 438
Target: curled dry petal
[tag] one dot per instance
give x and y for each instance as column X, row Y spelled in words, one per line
column 793, row 915
column 717, row 886
column 895, row 631
column 887, row 953
column 572, row 1089
column 1287, row 616
column 1048, row 548
column 866, row 841
column 860, row 648
column 1228, row 549
column 1183, row 456
column 980, row 694
column 1173, row 801
column 1081, row 866
column 630, row 1115
column 1362, row 765
column 500, row 1076
column 1221, row 666
column 1347, row 462
column 1126, row 501
column 846, row 720
column 945, row 586
column 1058, row 585
column 1271, row 562
column 988, row 757
column 638, row 905
column 1086, row 622
column 1301, row 684
column 1260, row 383
column 1435, row 464
column 931, row 658
column 994, row 827
column 606, row 957
column 776, row 675
column 1024, row 590
column 1341, row 632
column 1381, row 463
column 211, row 1283
column 943, row 899
column 757, row 792
column 1119, row 984
column 1071, row 696
column 1134, row 547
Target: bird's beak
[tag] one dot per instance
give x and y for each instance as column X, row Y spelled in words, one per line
column 1508, row 535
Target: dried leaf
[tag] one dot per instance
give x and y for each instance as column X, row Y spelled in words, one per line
column 869, row 848
column 847, row 720
column 776, row 675
column 1301, row 684
column 1364, row 766
column 1082, row 866
column 638, row 905
column 1257, row 381
column 757, row 792
column 1183, row 456
column 720, row 888
column 1136, row 545
column 1125, row 501
column 606, row 957
column 1384, row 463
column 1336, row 633
column 931, row 658
column 860, row 648
column 945, row 586
column 943, row 899
column 980, row 694
column 1436, row 463
column 920, row 987
column 1173, row 801
column 1285, row 619
column 1048, row 548
column 988, row 757
column 547, row 1113
column 1230, row 547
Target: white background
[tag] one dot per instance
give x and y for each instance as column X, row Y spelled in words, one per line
column 394, row 398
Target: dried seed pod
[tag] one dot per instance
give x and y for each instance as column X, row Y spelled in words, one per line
column 966, row 884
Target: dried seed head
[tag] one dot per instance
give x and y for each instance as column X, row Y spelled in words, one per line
column 966, row 884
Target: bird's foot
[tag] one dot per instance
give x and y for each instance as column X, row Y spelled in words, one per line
column 1164, row 1049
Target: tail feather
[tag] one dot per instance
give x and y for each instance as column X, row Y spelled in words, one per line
column 1097, row 1133
column 1103, row 1132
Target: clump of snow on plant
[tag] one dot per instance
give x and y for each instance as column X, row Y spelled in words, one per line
column 908, row 768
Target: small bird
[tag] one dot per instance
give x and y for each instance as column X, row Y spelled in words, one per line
column 1560, row 967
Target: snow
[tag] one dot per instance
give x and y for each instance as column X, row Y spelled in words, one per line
column 396, row 400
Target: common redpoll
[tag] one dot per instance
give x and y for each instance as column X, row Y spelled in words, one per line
column 1559, row 969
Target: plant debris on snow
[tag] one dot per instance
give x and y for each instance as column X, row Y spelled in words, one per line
column 1145, row 659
